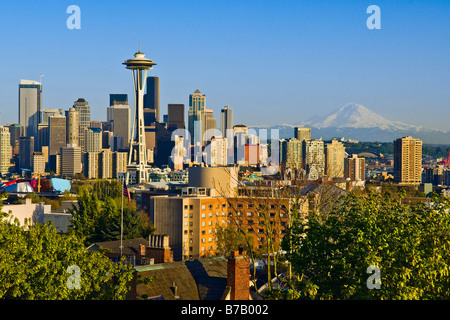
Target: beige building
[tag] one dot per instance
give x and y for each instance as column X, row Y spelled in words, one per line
column 105, row 164
column 119, row 163
column 223, row 179
column 210, row 126
column 302, row 133
column 191, row 220
column 294, row 154
column 334, row 159
column 93, row 140
column 90, row 165
column 72, row 127
column 408, row 161
column 38, row 162
column 70, row 160
column 314, row 158
column 5, row 150
column 354, row 168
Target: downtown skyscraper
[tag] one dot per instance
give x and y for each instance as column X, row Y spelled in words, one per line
column 84, row 119
column 151, row 101
column 226, row 120
column 30, row 106
column 196, row 117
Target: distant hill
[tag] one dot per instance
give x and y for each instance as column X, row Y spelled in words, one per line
column 354, row 121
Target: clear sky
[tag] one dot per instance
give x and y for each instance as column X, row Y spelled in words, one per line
column 273, row 62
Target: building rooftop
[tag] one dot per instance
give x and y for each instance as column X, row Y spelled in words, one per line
column 204, row 279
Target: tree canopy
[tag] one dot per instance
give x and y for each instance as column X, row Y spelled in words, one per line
column 98, row 220
column 333, row 255
column 38, row 263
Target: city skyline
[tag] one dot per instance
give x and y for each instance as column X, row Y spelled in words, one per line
column 307, row 58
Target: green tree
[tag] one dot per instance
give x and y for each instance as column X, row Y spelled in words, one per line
column 100, row 220
column 85, row 217
column 35, row 260
column 330, row 253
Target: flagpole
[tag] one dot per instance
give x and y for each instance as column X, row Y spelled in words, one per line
column 121, row 223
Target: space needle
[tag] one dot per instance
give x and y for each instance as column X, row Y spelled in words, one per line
column 137, row 158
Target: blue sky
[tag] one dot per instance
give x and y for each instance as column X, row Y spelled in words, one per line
column 271, row 61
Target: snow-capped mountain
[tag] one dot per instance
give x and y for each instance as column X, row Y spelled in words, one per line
column 354, row 121
column 353, row 115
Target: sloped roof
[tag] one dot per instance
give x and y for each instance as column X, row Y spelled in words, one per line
column 130, row 246
column 204, row 279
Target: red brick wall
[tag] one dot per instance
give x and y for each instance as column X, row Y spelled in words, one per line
column 238, row 278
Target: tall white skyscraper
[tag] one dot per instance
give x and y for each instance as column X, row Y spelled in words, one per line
column 30, row 106
column 218, row 151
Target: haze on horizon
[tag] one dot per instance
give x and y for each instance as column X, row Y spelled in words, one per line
column 272, row 62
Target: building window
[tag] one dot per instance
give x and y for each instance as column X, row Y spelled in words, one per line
column 203, row 215
column 203, row 207
column 249, row 214
column 210, row 207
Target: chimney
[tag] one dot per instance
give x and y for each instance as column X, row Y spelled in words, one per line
column 238, row 275
column 174, row 289
column 142, row 249
column 159, row 249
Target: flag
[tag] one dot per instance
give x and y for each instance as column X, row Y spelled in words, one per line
column 126, row 192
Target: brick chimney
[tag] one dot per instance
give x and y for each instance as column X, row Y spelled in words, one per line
column 238, row 276
column 159, row 249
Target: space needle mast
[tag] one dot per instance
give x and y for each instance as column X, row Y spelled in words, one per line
column 137, row 158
